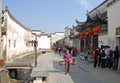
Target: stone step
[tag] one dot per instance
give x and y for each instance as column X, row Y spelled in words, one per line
column 39, row 74
column 18, row 65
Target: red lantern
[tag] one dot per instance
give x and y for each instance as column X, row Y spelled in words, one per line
column 89, row 33
column 96, row 30
column 80, row 35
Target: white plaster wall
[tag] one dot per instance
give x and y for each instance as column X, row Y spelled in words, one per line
column 57, row 36
column 102, row 40
column 16, row 35
column 4, row 46
column 100, row 9
column 44, row 42
column 113, row 22
column 67, row 40
column 0, row 29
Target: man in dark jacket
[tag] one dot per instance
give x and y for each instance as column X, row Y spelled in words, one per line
column 103, row 57
column 116, row 58
column 96, row 57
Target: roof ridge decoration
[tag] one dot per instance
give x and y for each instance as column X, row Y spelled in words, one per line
column 79, row 23
column 89, row 19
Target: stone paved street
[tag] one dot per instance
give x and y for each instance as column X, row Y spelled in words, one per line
column 82, row 72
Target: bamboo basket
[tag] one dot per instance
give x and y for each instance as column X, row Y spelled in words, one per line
column 61, row 63
column 73, row 61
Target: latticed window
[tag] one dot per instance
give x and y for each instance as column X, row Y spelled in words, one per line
column 104, row 15
column 104, row 28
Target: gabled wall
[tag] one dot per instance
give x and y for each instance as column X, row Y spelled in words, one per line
column 16, row 37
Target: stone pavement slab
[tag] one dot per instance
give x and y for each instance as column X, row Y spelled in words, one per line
column 82, row 72
column 39, row 72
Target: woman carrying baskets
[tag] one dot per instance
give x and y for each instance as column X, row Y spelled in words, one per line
column 67, row 58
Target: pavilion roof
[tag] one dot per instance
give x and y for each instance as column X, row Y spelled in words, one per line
column 98, row 19
column 90, row 22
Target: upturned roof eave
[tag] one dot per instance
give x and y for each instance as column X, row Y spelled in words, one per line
column 99, row 20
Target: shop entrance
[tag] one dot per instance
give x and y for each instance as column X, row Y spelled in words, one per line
column 95, row 41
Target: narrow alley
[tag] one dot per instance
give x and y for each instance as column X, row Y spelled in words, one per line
column 34, row 38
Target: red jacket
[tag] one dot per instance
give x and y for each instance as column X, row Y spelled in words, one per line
column 74, row 50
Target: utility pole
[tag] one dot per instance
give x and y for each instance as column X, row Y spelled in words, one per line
column 35, row 47
column 36, row 56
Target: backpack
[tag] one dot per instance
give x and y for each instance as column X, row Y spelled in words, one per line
column 102, row 53
column 111, row 54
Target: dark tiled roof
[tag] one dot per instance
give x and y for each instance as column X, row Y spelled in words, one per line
column 89, row 19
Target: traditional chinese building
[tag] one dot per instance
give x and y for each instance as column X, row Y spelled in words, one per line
column 94, row 31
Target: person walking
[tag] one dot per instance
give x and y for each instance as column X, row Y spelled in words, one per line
column 67, row 58
column 96, row 57
column 89, row 55
column 103, row 57
column 116, row 58
column 70, row 48
column 75, row 51
column 107, row 52
column 111, row 58
column 59, row 50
